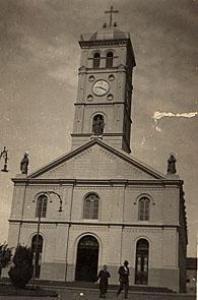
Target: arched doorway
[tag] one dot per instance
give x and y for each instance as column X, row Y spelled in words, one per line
column 87, row 259
column 141, row 265
column 37, row 248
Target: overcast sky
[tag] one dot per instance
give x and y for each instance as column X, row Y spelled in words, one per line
column 39, row 60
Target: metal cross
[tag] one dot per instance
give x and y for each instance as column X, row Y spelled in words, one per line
column 111, row 12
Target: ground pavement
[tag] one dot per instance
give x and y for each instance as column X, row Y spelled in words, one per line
column 86, row 293
column 26, row 298
column 73, row 294
column 69, row 294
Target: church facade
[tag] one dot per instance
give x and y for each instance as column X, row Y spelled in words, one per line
column 97, row 204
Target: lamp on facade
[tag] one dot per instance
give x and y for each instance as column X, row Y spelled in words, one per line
column 4, row 155
column 59, row 197
column 48, row 193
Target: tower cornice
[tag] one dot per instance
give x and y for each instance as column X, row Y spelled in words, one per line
column 120, row 42
column 100, row 103
column 117, row 69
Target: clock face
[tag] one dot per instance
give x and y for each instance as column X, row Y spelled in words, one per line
column 100, row 87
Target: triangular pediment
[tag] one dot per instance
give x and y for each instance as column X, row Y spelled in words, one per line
column 96, row 160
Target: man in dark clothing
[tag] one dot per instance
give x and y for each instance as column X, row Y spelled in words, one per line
column 103, row 276
column 124, row 279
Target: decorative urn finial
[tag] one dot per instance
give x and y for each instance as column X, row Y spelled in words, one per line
column 24, row 164
column 171, row 165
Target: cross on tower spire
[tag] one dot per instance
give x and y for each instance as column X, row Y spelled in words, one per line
column 111, row 12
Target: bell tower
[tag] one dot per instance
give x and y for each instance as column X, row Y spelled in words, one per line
column 103, row 105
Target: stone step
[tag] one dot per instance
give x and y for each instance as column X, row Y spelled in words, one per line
column 91, row 285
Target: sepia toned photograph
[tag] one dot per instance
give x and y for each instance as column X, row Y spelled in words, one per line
column 98, row 149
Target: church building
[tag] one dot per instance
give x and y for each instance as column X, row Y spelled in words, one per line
column 98, row 204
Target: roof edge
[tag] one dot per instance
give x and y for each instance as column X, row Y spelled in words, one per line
column 118, row 152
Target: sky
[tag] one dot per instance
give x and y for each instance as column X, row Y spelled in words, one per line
column 39, row 60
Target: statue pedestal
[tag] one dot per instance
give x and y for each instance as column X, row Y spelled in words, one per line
column 21, row 175
column 173, row 176
column 95, row 137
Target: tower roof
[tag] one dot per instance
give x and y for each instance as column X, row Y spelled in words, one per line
column 106, row 33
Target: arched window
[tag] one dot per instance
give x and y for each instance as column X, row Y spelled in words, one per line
column 41, row 206
column 141, row 264
column 96, row 60
column 109, row 60
column 37, row 249
column 143, row 214
column 90, row 208
column 98, row 124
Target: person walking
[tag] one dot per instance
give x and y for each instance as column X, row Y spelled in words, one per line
column 103, row 277
column 124, row 279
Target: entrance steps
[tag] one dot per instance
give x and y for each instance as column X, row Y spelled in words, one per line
column 94, row 286
column 89, row 291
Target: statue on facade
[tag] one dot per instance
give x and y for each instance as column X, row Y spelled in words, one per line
column 24, row 164
column 98, row 125
column 171, row 165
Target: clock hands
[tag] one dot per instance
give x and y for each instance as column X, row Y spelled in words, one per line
column 101, row 88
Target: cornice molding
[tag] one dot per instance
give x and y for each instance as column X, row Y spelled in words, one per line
column 100, row 103
column 91, row 134
column 106, row 182
column 99, row 224
column 86, row 70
